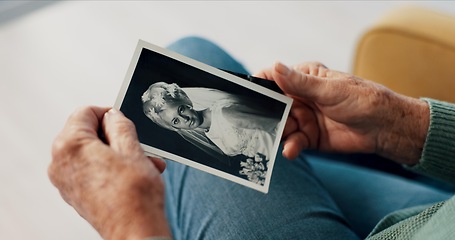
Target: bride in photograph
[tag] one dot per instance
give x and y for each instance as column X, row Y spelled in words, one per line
column 217, row 122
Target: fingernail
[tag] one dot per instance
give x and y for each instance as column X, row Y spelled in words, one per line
column 282, row 69
column 284, row 151
column 111, row 112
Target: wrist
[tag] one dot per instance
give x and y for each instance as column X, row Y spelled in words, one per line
column 137, row 213
column 405, row 130
column 139, row 228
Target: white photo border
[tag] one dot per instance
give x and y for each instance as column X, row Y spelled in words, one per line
column 151, row 151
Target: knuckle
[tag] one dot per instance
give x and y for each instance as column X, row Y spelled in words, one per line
column 51, row 173
column 59, row 147
column 323, row 71
column 317, row 64
column 83, row 109
column 79, row 110
column 125, row 126
column 64, row 148
column 315, row 68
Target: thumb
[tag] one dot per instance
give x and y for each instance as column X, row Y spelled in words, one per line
column 121, row 133
column 302, row 85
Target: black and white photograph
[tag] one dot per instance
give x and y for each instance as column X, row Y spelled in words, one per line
column 203, row 117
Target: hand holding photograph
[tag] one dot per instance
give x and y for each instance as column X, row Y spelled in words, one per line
column 203, row 117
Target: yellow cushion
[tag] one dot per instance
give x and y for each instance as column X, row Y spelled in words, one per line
column 412, row 51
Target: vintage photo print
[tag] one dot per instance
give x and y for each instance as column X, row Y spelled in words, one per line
column 201, row 116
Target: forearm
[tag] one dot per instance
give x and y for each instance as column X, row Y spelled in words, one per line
column 405, row 128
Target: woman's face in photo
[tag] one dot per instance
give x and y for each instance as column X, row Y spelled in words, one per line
column 181, row 116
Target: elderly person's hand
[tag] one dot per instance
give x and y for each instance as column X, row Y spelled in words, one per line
column 113, row 185
column 336, row 111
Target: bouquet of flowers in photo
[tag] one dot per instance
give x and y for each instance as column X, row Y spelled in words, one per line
column 255, row 169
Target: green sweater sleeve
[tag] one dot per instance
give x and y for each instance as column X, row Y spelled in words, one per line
column 438, row 160
column 438, row 156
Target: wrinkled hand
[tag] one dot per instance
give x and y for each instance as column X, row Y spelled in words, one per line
column 114, row 186
column 339, row 112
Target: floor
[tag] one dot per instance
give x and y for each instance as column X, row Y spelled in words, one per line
column 56, row 56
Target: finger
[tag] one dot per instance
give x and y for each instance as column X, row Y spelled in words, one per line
column 306, row 86
column 312, row 68
column 317, row 69
column 85, row 120
column 80, row 128
column 159, row 163
column 290, row 127
column 307, row 123
column 294, row 144
column 265, row 74
column 120, row 133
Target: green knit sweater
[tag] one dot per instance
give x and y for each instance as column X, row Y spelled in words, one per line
column 438, row 160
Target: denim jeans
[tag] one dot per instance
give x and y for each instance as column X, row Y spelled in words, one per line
column 311, row 197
